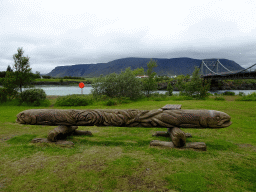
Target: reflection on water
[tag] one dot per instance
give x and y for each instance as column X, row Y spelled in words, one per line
column 246, row 92
column 67, row 90
column 63, row 90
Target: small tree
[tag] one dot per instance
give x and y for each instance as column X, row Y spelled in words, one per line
column 23, row 74
column 10, row 86
column 196, row 87
column 150, row 84
column 33, row 96
column 180, row 84
column 9, row 69
column 114, row 85
column 37, row 75
column 170, row 89
column 2, row 74
column 138, row 71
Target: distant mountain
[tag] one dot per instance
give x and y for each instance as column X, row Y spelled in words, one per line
column 169, row 67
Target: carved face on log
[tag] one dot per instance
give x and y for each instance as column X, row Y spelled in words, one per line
column 216, row 119
column 25, row 117
column 196, row 118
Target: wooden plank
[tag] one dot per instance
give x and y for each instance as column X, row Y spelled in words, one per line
column 171, row 107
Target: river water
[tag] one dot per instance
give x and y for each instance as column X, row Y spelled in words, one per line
column 67, row 90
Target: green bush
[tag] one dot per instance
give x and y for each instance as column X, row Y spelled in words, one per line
column 114, row 85
column 158, row 97
column 74, row 100
column 3, row 95
column 123, row 100
column 250, row 97
column 195, row 86
column 229, row 93
column 32, row 96
column 10, row 85
column 241, row 94
column 111, row 102
column 149, row 83
column 170, row 89
column 219, row 98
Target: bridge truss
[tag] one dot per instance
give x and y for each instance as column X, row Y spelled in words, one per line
column 214, row 69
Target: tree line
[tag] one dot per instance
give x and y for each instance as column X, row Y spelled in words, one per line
column 19, row 77
column 125, row 84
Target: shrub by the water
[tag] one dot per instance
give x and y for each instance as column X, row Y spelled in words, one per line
column 3, row 95
column 250, row 97
column 32, row 96
column 241, row 94
column 219, row 98
column 159, row 97
column 74, row 100
column 229, row 93
column 118, row 85
column 170, row 89
column 111, row 102
column 195, row 87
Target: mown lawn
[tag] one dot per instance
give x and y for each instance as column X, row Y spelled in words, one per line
column 120, row 159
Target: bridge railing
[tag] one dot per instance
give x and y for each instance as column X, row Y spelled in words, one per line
column 217, row 64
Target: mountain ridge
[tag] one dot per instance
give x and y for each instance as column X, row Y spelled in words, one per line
column 169, row 67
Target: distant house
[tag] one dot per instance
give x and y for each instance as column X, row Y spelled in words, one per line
column 142, row 76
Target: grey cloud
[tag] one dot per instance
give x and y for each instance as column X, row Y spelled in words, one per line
column 51, row 39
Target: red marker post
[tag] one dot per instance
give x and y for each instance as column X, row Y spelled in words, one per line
column 81, row 85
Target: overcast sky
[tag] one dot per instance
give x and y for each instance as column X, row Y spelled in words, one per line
column 54, row 33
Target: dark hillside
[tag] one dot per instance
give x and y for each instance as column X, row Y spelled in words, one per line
column 174, row 66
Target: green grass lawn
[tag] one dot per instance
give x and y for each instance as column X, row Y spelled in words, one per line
column 120, row 159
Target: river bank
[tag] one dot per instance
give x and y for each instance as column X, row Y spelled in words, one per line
column 221, row 85
column 64, row 82
column 162, row 86
column 61, row 90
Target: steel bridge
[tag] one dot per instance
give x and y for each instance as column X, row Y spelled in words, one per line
column 213, row 69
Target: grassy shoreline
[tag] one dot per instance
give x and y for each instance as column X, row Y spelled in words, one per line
column 120, row 159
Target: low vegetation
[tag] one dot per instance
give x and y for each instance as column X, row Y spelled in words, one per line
column 249, row 97
column 228, row 93
column 114, row 85
column 74, row 100
column 120, row 158
column 32, row 96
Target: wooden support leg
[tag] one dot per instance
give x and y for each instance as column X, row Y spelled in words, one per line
column 178, row 137
column 61, row 132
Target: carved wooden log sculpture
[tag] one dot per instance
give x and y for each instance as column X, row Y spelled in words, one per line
column 172, row 119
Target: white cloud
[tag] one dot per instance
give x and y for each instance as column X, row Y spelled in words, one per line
column 57, row 32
